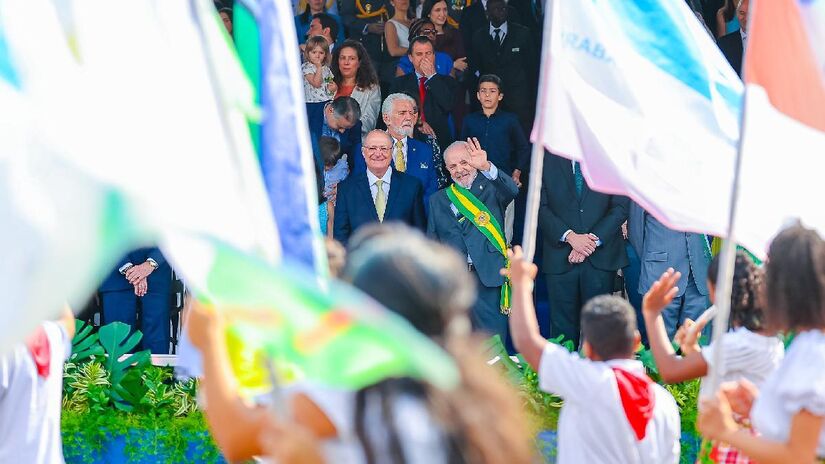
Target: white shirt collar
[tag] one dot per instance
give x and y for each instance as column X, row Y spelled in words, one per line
column 386, row 178
column 503, row 28
column 744, row 35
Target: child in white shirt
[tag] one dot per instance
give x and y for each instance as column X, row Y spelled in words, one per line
column 318, row 78
column 788, row 411
column 612, row 411
column 747, row 351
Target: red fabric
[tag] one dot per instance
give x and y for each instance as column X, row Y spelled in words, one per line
column 638, row 399
column 38, row 345
column 345, row 90
column 422, row 95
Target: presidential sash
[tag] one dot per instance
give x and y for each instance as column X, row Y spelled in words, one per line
column 477, row 212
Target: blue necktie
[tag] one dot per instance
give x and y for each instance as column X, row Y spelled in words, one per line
column 577, row 173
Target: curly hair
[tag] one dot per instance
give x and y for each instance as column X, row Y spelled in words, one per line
column 795, row 280
column 746, row 297
column 365, row 77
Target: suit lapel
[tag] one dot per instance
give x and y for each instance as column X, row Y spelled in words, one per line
column 395, row 190
column 565, row 167
column 366, row 195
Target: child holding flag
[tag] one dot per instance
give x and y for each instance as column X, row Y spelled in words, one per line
column 612, row 411
column 748, row 352
column 789, row 409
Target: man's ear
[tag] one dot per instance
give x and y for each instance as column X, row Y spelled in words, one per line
column 386, row 119
column 587, row 349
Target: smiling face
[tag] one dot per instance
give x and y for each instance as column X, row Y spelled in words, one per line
column 439, row 14
column 742, row 15
column 401, row 119
column 348, row 62
column 458, row 164
column 376, row 150
column 421, row 52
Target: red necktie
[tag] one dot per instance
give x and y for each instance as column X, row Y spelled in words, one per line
column 422, row 95
column 638, row 400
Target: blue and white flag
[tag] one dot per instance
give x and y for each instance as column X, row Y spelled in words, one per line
column 286, row 155
column 639, row 93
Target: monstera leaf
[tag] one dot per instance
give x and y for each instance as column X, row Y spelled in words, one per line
column 85, row 343
column 116, row 340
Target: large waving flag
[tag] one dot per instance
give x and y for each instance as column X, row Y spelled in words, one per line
column 783, row 151
column 265, row 36
column 339, row 338
column 638, row 92
column 138, row 130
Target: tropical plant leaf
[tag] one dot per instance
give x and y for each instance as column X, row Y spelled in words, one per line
column 86, row 343
column 494, row 350
column 116, row 340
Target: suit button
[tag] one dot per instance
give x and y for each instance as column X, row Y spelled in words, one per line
column 581, row 210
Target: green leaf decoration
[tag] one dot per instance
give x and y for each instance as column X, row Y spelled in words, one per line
column 85, row 344
column 117, row 342
column 494, row 347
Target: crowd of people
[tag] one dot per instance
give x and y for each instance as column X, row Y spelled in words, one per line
column 419, row 115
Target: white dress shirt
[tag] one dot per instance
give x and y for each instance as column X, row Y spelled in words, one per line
column 593, row 426
column 745, row 355
column 502, row 28
column 372, row 178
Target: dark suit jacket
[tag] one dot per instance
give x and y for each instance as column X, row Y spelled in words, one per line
column 731, row 46
column 515, row 62
column 420, row 165
column 456, row 231
column 597, row 213
column 437, row 104
column 160, row 278
column 350, row 138
column 474, row 17
column 354, row 206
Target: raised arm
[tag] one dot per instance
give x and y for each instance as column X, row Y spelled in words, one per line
column 672, row 368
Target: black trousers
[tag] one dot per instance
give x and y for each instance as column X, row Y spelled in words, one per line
column 569, row 291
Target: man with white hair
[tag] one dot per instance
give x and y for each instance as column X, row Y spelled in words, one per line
column 468, row 216
column 410, row 156
column 733, row 44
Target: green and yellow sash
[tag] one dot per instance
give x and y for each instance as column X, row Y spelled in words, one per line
column 476, row 212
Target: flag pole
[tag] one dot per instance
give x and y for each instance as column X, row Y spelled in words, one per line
column 727, row 262
column 531, row 216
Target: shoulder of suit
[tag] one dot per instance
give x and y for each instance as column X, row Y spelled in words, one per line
column 732, row 37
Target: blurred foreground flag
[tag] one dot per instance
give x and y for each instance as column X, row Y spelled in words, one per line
column 339, row 337
column 639, row 93
column 783, row 152
column 265, row 37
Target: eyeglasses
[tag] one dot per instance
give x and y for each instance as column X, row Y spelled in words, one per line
column 377, row 148
column 427, row 31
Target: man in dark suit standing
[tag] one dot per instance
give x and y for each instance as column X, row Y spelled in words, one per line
column 583, row 243
column 408, row 155
column 508, row 50
column 380, row 194
column 733, row 44
column 433, row 92
column 142, row 275
column 468, row 216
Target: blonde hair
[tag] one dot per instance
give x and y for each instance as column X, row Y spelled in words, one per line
column 315, row 42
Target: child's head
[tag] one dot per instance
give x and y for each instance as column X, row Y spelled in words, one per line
column 746, row 309
column 609, row 328
column 330, row 151
column 489, row 91
column 795, row 280
column 317, row 50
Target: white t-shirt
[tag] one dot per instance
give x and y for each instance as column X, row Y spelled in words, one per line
column 746, row 355
column 593, row 427
column 798, row 383
column 419, row 434
column 30, row 405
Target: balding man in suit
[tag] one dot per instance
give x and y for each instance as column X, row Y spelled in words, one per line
column 381, row 194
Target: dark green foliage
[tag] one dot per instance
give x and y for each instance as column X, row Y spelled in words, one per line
column 105, row 397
